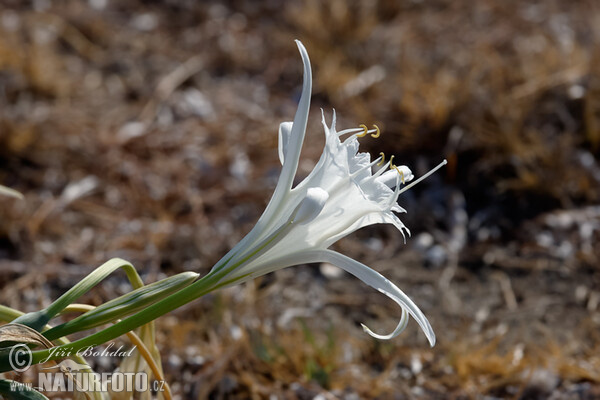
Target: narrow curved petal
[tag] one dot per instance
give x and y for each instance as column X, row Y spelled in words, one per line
column 361, row 271
column 290, row 149
column 381, row 283
column 296, row 135
column 289, row 154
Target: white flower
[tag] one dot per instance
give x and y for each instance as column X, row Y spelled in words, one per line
column 339, row 196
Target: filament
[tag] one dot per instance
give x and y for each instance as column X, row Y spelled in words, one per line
column 440, row 165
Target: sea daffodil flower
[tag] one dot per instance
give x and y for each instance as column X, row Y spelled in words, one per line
column 339, row 196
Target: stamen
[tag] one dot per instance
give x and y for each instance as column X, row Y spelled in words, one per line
column 379, row 172
column 378, row 132
column 440, row 165
column 365, row 130
column 351, row 130
column 360, row 130
column 394, row 166
column 375, row 162
column 401, row 173
column 380, row 163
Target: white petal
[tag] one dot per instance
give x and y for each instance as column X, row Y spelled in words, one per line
column 296, row 135
column 290, row 147
column 371, row 218
column 361, row 271
column 381, row 283
column 406, row 173
column 285, row 131
column 293, row 146
column 389, row 178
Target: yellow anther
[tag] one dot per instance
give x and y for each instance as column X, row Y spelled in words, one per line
column 392, row 166
column 376, row 135
column 380, row 163
column 366, row 130
column 399, row 173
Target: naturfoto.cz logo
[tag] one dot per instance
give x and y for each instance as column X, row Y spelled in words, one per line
column 70, row 376
column 113, row 382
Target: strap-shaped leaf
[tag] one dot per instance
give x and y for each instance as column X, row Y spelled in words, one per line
column 124, row 305
column 38, row 319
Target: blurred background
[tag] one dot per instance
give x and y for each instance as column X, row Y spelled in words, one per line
column 147, row 130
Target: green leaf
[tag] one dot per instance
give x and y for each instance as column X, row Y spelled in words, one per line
column 38, row 319
column 197, row 289
column 124, row 305
column 35, row 320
